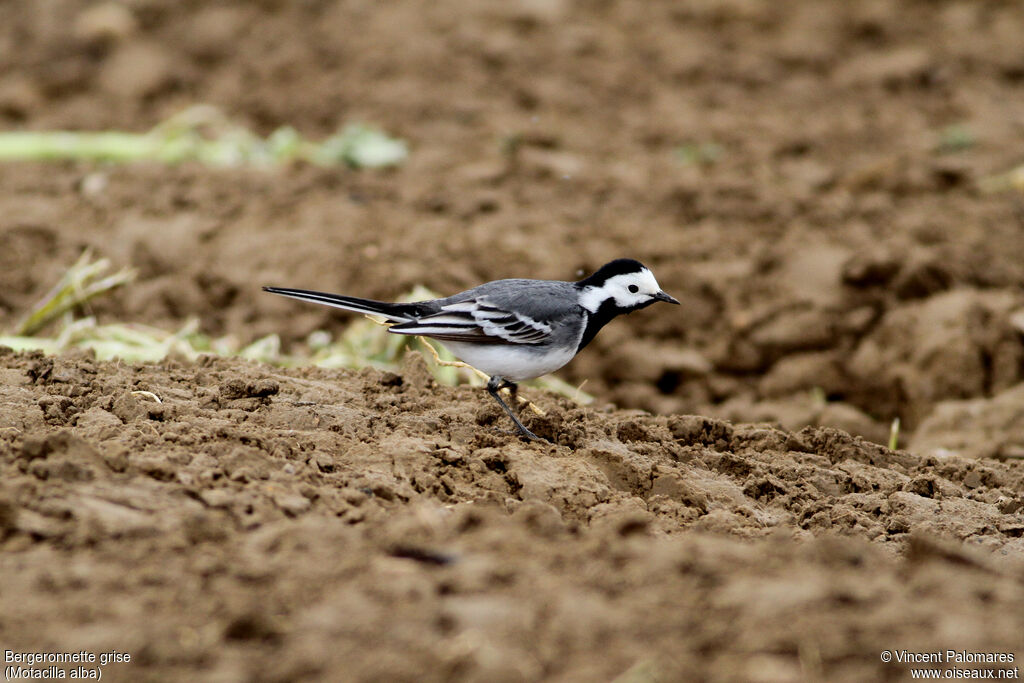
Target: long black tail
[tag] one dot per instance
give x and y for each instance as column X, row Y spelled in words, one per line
column 396, row 313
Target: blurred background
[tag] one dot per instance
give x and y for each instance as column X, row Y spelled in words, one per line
column 828, row 187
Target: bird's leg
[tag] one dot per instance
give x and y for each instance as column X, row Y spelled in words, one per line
column 494, row 385
column 516, row 401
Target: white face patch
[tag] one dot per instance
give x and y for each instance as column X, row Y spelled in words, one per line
column 618, row 288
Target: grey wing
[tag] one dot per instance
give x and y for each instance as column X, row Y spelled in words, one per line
column 478, row 320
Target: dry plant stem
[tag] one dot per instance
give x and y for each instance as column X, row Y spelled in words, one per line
column 579, row 390
column 460, row 364
column 80, row 283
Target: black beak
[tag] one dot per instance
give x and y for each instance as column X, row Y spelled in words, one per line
column 662, row 296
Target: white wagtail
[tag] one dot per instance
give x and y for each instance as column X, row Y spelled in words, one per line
column 514, row 330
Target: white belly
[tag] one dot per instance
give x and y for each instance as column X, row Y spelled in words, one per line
column 511, row 362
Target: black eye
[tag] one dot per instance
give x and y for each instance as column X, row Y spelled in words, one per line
column 634, row 289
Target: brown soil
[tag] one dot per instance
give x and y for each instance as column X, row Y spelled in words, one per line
column 838, row 267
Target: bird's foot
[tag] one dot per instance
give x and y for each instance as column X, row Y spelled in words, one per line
column 524, row 434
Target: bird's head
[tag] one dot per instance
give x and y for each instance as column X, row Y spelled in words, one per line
column 624, row 284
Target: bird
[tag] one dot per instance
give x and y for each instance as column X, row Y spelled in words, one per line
column 517, row 329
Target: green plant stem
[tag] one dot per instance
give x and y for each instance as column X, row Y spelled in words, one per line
column 59, row 145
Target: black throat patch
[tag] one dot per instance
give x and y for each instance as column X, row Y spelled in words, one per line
column 607, row 312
